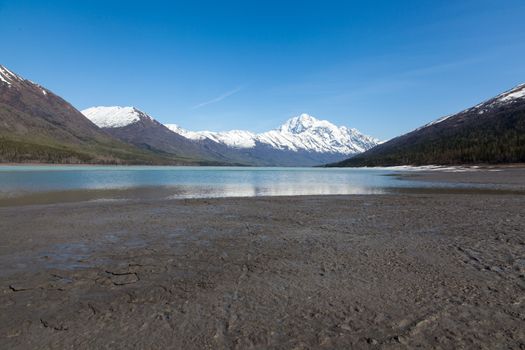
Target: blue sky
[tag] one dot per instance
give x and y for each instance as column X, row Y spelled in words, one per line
column 384, row 67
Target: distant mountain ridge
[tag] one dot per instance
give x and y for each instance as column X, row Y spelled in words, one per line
column 38, row 126
column 491, row 132
column 114, row 117
column 303, row 132
column 300, row 141
column 133, row 126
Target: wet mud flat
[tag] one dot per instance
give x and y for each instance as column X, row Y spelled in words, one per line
column 409, row 270
column 510, row 177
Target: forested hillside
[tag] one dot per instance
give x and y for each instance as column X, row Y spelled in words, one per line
column 491, row 132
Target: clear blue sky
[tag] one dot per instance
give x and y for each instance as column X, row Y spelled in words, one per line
column 384, row 67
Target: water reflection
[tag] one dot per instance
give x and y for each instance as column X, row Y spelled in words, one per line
column 277, row 189
column 92, row 183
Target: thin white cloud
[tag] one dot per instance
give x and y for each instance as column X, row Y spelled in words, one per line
column 219, row 98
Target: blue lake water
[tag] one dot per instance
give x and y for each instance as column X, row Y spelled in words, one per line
column 187, row 182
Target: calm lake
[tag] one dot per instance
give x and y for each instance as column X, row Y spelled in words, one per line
column 114, row 182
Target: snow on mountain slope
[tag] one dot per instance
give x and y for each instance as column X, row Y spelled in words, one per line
column 11, row 79
column 513, row 95
column 303, row 132
column 114, row 117
column 308, row 133
column 8, row 77
column 508, row 97
column 232, row 138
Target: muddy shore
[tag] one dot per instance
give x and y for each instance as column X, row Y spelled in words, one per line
column 431, row 270
column 510, row 177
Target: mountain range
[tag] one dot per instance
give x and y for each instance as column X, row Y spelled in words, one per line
column 490, row 132
column 36, row 125
column 303, row 132
column 300, row 141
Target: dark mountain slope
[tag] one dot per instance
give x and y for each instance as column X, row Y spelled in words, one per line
column 301, row 141
column 138, row 128
column 491, row 132
column 38, row 126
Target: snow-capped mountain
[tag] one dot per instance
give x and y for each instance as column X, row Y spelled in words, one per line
column 133, row 126
column 10, row 79
column 301, row 133
column 514, row 95
column 509, row 97
column 7, row 77
column 490, row 132
column 36, row 125
column 302, row 140
column 232, row 138
column 114, row 116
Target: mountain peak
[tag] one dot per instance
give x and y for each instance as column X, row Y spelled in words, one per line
column 517, row 92
column 477, row 135
column 306, row 117
column 114, row 116
column 300, row 133
column 8, row 77
column 299, row 124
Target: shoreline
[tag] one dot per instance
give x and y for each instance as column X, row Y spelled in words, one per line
column 150, row 195
column 431, row 166
column 511, row 177
column 510, row 180
column 427, row 269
